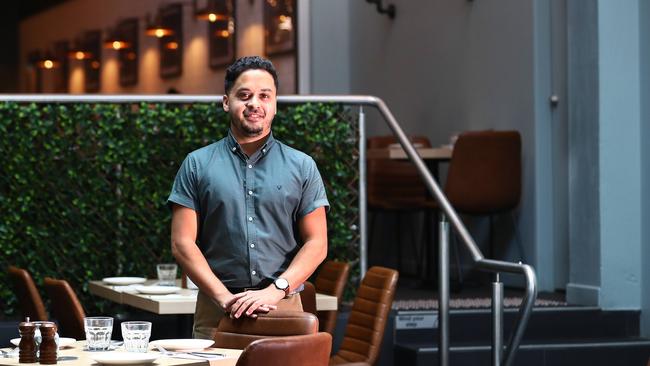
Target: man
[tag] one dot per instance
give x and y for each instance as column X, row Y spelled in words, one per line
column 248, row 221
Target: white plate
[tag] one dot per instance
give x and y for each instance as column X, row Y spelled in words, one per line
column 63, row 342
column 183, row 344
column 157, row 290
column 124, row 358
column 124, row 280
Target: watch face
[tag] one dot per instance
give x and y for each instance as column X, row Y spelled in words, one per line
column 281, row 283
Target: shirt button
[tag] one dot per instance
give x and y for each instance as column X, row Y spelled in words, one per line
column 250, row 218
column 252, row 245
column 234, row 149
column 250, row 166
column 263, row 150
column 250, row 193
column 253, row 273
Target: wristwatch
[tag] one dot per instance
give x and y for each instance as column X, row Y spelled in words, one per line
column 282, row 284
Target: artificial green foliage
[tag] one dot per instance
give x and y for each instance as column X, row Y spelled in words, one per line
column 83, row 187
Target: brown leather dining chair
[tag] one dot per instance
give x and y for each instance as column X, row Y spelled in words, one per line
column 29, row 300
column 331, row 280
column 66, row 308
column 308, row 298
column 239, row 333
column 395, row 187
column 484, row 177
column 362, row 340
column 301, row 350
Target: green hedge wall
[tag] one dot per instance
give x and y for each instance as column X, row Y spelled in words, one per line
column 83, row 187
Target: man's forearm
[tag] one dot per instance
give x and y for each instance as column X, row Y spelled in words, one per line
column 308, row 258
column 196, row 267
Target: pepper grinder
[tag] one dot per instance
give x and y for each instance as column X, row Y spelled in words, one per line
column 48, row 346
column 27, row 345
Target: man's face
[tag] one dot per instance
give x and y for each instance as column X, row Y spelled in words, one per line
column 251, row 103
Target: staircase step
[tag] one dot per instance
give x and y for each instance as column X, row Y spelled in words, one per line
column 629, row 351
column 565, row 323
column 554, row 336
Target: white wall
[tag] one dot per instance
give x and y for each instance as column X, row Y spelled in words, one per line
column 197, row 76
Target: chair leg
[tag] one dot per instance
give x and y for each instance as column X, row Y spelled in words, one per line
column 373, row 218
column 459, row 269
column 415, row 245
column 398, row 242
column 426, row 248
column 491, row 249
column 522, row 255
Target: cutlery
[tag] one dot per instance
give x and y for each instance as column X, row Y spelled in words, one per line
column 207, row 355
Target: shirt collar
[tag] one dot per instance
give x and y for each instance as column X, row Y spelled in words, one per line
column 234, row 146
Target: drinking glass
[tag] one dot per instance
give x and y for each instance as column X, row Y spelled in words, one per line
column 136, row 336
column 98, row 332
column 166, row 274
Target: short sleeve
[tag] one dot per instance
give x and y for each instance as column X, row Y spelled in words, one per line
column 184, row 191
column 313, row 189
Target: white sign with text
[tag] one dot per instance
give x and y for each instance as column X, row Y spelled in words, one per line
column 416, row 320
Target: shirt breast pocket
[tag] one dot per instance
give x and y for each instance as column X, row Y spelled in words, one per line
column 281, row 195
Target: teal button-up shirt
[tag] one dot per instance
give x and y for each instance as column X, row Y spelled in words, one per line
column 248, row 207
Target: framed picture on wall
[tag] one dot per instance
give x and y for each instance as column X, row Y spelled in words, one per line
column 128, row 56
column 36, row 74
column 61, row 76
column 221, row 35
column 279, row 26
column 171, row 46
column 92, row 43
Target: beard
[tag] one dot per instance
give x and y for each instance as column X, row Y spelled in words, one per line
column 250, row 129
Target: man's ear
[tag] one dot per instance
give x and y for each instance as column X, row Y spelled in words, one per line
column 224, row 103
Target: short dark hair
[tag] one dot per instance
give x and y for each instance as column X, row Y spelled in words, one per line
column 248, row 63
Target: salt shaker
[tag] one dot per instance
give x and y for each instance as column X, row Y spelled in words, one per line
column 27, row 345
column 48, row 348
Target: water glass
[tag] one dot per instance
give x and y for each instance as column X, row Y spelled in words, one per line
column 167, row 274
column 136, row 336
column 98, row 332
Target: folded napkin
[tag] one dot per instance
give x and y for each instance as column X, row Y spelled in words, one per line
column 173, row 297
column 9, row 352
column 126, row 288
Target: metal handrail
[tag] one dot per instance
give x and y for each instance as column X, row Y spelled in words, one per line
column 480, row 261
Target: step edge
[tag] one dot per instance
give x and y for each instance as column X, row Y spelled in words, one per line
column 515, row 310
column 546, row 346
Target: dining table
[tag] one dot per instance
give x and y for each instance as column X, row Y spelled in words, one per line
column 440, row 153
column 182, row 301
column 432, row 156
column 77, row 355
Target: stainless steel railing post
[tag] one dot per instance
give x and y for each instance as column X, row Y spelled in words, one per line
column 363, row 197
column 497, row 321
column 443, row 291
